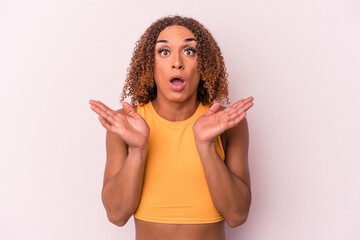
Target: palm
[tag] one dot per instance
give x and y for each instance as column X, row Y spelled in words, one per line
column 129, row 125
column 210, row 126
column 133, row 130
column 213, row 123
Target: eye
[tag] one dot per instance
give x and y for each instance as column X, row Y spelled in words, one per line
column 190, row 51
column 163, row 52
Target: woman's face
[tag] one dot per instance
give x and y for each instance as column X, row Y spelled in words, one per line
column 175, row 70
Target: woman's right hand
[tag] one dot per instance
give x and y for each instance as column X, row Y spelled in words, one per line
column 128, row 124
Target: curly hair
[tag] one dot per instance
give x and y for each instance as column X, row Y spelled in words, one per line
column 140, row 84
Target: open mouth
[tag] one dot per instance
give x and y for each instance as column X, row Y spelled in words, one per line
column 177, row 83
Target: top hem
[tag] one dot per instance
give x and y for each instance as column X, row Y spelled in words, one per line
column 179, row 221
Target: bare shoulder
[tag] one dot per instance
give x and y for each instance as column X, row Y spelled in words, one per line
column 112, row 137
column 238, row 132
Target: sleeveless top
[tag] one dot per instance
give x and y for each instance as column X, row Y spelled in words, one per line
column 174, row 188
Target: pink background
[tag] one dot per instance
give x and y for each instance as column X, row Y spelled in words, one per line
column 299, row 59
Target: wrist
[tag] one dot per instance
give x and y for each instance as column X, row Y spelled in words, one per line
column 139, row 151
column 202, row 141
column 204, row 144
column 206, row 150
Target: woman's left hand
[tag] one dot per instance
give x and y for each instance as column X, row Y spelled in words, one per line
column 213, row 123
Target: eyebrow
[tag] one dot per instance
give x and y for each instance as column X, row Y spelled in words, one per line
column 186, row 40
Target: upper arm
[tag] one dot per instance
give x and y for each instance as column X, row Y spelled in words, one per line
column 116, row 152
column 236, row 153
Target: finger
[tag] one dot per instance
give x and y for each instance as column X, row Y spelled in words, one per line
column 105, row 123
column 243, row 101
column 246, row 107
column 239, row 105
column 129, row 109
column 241, row 110
column 235, row 106
column 249, row 99
column 212, row 109
column 108, row 117
column 237, row 120
column 102, row 106
column 99, row 106
column 230, row 110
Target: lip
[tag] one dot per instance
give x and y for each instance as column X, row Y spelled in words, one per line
column 176, row 76
column 177, row 87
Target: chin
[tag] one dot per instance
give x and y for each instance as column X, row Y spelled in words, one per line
column 182, row 99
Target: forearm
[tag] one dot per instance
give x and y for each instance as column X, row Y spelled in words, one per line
column 231, row 196
column 121, row 195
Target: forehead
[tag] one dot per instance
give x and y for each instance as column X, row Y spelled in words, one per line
column 175, row 32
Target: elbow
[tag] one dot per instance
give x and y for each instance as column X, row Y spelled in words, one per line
column 119, row 221
column 237, row 218
column 116, row 215
column 236, row 221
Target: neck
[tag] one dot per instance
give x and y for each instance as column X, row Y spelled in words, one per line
column 175, row 111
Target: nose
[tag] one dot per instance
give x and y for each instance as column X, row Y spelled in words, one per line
column 179, row 67
column 177, row 62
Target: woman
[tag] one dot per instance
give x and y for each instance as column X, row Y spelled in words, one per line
column 176, row 159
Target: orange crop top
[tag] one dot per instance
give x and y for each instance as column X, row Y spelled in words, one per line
column 175, row 189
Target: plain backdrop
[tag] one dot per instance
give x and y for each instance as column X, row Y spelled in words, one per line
column 300, row 60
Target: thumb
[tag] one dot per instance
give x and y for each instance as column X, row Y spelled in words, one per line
column 129, row 109
column 212, row 109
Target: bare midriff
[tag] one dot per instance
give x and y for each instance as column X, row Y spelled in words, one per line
column 163, row 231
